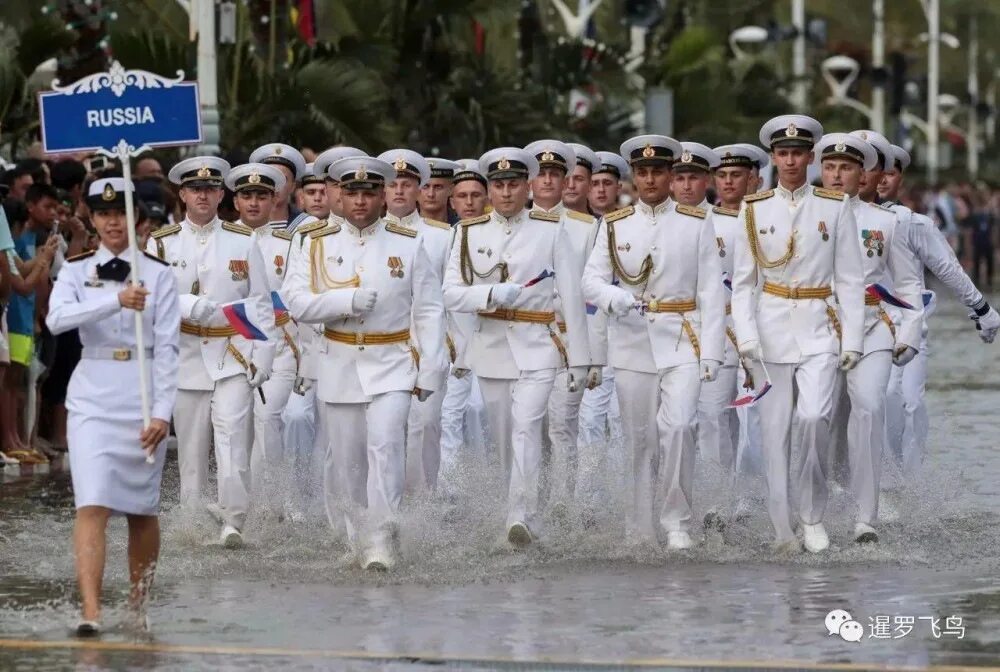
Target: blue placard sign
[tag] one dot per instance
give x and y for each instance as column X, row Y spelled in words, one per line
column 120, row 109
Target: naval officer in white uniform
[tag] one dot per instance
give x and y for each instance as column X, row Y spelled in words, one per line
column 107, row 441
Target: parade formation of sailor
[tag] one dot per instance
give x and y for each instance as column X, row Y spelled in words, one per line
column 545, row 326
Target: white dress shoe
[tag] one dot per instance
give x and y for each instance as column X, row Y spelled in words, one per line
column 865, row 534
column 815, row 538
column 377, row 560
column 85, row 628
column 519, row 534
column 231, row 537
column 679, row 540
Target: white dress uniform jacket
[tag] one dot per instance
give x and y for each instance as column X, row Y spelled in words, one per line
column 811, row 227
column 220, row 263
column 392, row 260
column 525, row 245
column 678, row 244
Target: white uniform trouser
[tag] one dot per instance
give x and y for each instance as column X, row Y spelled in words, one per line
column 304, row 445
column 600, row 443
column 660, row 416
column 808, row 387
column 906, row 409
column 365, row 465
column 268, row 460
column 749, row 458
column 423, row 443
column 515, row 409
column 221, row 416
column 563, row 432
column 718, row 432
column 866, row 384
column 600, row 414
column 463, row 425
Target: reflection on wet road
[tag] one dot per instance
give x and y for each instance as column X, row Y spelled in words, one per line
column 460, row 598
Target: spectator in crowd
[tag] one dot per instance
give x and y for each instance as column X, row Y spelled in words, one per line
column 17, row 180
column 147, row 168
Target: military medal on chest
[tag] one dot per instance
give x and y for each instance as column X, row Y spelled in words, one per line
column 240, row 268
column 279, row 264
column 874, row 241
column 721, row 245
column 823, row 232
column 396, row 267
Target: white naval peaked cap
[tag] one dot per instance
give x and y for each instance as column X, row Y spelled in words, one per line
column 442, row 168
column 644, row 149
column 255, row 176
column 741, row 154
column 902, row 158
column 468, row 169
column 407, row 163
column 847, row 146
column 283, row 155
column 696, row 156
column 612, row 164
column 362, row 172
column 790, row 130
column 310, row 176
column 505, row 163
column 585, row 156
column 883, row 149
column 199, row 171
column 108, row 193
column 326, row 158
column 552, row 153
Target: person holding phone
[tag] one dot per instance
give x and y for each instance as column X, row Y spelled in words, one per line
column 108, row 442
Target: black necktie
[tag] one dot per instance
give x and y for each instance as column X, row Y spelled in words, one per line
column 116, row 269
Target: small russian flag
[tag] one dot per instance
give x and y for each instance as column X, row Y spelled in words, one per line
column 279, row 306
column 236, row 313
column 538, row 278
column 886, row 296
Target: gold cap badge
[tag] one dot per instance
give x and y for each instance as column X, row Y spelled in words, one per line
column 648, row 151
column 685, row 156
column 839, row 147
column 277, row 150
column 361, row 173
column 109, row 193
column 399, row 164
column 254, row 178
column 791, row 131
column 548, row 156
column 204, row 172
column 503, row 163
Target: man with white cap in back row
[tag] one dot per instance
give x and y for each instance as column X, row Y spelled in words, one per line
column 292, row 165
column 853, row 164
column 434, row 194
column 373, row 286
column 797, row 262
column 423, row 437
column 503, row 267
column 656, row 270
column 215, row 262
column 255, row 186
column 556, row 162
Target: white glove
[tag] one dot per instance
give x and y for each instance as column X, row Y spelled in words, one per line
column 988, row 324
column 594, row 377
column 903, row 354
column 849, row 359
column 203, row 310
column 258, row 377
column 423, row 395
column 504, row 294
column 459, row 372
column 621, row 302
column 577, row 377
column 709, row 369
column 364, row 300
column 303, row 385
column 752, row 350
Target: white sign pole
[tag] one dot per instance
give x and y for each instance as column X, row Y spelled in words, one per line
column 133, row 246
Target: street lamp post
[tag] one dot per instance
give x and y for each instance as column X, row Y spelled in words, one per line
column 878, row 62
column 932, row 9
column 799, row 94
column 972, row 142
column 208, row 88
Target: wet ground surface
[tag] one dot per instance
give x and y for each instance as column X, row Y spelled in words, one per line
column 584, row 597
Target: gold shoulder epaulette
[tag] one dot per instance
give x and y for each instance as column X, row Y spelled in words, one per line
column 325, row 231
column 151, row 256
column 621, row 213
column 83, row 255
column 719, row 210
column 832, row 194
column 393, row 227
column 311, row 226
column 168, row 230
column 759, row 196
column 544, row 216
column 581, row 216
column 438, row 225
column 691, row 210
column 481, row 219
column 241, row 229
column 284, row 234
